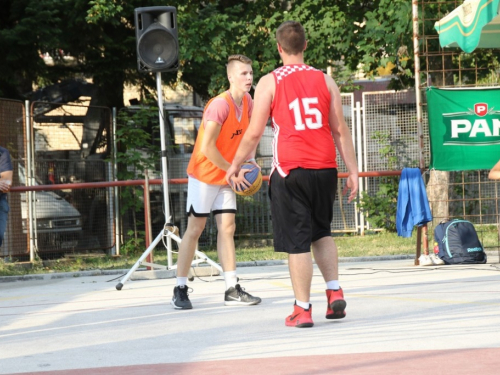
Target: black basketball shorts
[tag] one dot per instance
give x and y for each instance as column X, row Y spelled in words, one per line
column 302, row 208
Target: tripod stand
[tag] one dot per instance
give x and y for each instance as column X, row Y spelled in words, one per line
column 168, row 229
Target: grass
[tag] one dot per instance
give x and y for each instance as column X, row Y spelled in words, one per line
column 370, row 245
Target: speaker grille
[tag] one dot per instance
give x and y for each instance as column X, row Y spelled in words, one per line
column 157, row 48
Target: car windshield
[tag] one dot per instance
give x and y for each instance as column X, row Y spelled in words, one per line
column 22, row 176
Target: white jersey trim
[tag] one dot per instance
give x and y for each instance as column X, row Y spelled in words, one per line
column 286, row 70
column 276, row 163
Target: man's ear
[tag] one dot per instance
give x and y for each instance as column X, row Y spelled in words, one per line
column 280, row 49
column 305, row 45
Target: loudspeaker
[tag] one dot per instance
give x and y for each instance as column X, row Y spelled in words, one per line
column 156, row 39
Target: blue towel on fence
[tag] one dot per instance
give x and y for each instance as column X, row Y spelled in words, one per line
column 413, row 205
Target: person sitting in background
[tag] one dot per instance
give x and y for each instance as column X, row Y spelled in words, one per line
column 5, row 184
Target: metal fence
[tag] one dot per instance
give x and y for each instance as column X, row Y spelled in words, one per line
column 71, row 144
column 54, row 144
column 469, row 195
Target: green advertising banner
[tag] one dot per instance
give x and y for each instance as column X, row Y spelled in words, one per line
column 464, row 128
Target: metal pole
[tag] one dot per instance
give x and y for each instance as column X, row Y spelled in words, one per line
column 28, row 182
column 110, row 203
column 116, row 197
column 147, row 211
column 418, row 93
column 418, row 98
column 164, row 164
column 359, row 138
column 366, row 224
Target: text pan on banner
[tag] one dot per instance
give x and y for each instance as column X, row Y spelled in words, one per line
column 464, row 128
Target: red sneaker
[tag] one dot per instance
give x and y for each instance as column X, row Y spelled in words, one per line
column 336, row 304
column 300, row 317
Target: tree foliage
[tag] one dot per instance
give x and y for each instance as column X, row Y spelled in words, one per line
column 99, row 35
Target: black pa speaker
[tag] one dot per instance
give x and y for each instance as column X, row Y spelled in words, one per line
column 156, row 39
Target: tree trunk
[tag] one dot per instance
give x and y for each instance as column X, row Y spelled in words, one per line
column 437, row 192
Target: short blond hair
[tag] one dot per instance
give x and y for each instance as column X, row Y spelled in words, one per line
column 241, row 58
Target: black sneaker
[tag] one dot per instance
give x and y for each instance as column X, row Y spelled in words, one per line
column 180, row 300
column 238, row 297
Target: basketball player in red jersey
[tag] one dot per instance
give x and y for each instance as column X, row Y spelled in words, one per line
column 225, row 120
column 308, row 124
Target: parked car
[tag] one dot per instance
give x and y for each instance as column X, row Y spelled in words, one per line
column 58, row 223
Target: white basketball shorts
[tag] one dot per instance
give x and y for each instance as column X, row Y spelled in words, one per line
column 204, row 198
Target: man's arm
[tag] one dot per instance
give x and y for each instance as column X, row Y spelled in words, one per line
column 261, row 109
column 210, row 150
column 251, row 157
column 343, row 138
column 495, row 172
column 209, row 145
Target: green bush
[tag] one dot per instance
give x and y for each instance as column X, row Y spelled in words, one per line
column 380, row 209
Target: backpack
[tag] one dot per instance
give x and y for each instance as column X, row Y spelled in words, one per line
column 458, row 242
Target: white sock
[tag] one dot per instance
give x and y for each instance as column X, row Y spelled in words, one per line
column 333, row 284
column 231, row 279
column 181, row 281
column 304, row 305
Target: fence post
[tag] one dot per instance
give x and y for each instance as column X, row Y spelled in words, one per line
column 111, row 207
column 359, row 138
column 29, row 181
column 118, row 229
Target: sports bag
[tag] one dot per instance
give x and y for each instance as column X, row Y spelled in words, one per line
column 458, row 242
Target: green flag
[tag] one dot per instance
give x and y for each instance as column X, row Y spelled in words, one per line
column 464, row 128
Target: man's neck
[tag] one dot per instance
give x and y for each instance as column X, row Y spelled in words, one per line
column 292, row 59
column 237, row 95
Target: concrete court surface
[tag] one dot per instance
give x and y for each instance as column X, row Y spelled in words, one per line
column 401, row 319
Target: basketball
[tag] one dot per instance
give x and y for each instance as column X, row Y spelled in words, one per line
column 254, row 177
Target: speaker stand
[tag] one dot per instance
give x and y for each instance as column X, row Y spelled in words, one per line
column 168, row 228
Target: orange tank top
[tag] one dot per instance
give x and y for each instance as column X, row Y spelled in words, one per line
column 227, row 143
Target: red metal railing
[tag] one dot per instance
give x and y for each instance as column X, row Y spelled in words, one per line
column 142, row 183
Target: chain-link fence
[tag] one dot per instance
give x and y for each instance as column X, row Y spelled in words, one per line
column 73, row 144
column 62, row 144
column 468, row 194
column 390, row 138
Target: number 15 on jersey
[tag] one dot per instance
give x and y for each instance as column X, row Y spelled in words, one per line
column 313, row 117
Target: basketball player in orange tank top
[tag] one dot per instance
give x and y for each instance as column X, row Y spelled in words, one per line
column 225, row 120
column 306, row 111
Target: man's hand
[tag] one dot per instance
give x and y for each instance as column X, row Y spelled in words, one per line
column 235, row 177
column 239, row 182
column 352, row 186
column 254, row 163
column 5, row 185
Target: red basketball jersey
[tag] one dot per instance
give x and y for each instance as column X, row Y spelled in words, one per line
column 299, row 113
